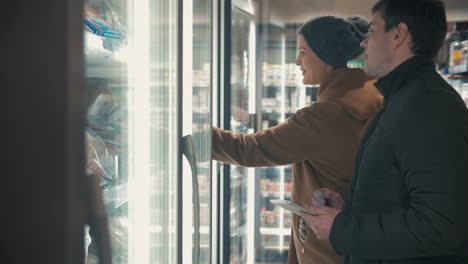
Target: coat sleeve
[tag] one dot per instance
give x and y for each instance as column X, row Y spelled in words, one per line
column 295, row 140
column 292, row 255
column 431, row 152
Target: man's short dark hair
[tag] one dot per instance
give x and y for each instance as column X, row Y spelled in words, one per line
column 426, row 22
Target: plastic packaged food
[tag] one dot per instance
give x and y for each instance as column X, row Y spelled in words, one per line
column 104, row 118
column 101, row 19
column 464, row 51
column 104, row 140
column 457, row 47
column 100, row 160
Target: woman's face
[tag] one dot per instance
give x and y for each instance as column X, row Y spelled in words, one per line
column 313, row 68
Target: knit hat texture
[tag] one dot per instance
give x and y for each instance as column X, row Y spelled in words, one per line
column 335, row 40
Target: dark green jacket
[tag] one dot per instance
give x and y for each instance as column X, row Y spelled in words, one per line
column 407, row 202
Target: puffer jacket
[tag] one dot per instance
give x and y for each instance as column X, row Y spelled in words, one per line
column 407, row 202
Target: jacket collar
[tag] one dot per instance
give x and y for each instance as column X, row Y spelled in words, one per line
column 353, row 90
column 404, row 72
column 339, row 81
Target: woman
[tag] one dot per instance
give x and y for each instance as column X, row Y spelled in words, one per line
column 320, row 140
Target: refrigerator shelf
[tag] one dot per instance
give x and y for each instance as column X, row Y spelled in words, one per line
column 238, row 231
column 274, row 194
column 101, row 62
column 276, row 247
column 159, row 229
column 94, row 48
column 456, row 69
column 267, row 194
column 275, row 231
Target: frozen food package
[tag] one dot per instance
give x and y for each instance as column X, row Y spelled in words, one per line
column 99, row 160
column 102, row 107
column 101, row 19
column 104, row 118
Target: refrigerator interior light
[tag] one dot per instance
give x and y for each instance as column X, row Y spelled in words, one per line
column 251, row 69
column 282, row 99
column 188, row 223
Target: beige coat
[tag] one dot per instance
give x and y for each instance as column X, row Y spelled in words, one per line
column 321, row 142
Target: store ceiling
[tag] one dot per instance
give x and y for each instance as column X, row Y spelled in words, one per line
column 299, row 11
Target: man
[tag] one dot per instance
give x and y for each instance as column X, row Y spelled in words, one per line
column 406, row 202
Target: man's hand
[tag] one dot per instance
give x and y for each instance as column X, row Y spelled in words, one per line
column 321, row 224
column 326, row 197
column 327, row 204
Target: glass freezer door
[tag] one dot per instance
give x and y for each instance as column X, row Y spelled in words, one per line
column 134, row 128
column 196, row 131
column 242, row 108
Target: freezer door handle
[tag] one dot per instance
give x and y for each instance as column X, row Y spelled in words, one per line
column 188, row 149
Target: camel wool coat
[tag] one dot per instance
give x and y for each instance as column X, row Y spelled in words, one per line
column 320, row 141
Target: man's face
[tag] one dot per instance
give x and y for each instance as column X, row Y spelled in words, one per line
column 378, row 47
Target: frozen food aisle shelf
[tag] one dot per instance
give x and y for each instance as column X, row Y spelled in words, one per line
column 101, row 62
column 276, row 248
column 456, row 69
column 159, row 229
column 282, row 95
column 275, row 231
column 268, row 194
column 238, row 231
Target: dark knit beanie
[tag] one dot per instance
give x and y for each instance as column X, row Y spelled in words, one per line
column 335, row 40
